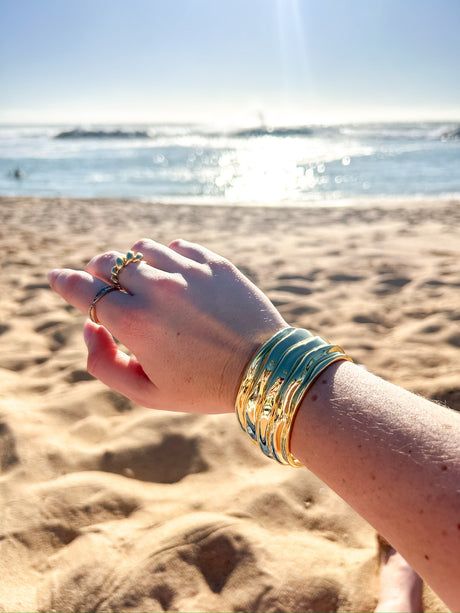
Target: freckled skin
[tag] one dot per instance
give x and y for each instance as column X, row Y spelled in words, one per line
column 371, row 450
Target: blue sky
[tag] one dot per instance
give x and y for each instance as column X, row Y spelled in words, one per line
column 292, row 61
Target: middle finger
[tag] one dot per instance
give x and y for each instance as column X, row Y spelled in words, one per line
column 131, row 277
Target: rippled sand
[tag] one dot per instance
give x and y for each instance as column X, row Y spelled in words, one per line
column 107, row 506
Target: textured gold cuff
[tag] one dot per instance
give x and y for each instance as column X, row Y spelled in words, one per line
column 274, row 385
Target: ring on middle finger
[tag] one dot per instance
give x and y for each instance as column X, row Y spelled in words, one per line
column 122, row 262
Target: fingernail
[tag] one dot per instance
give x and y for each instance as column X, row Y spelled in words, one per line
column 52, row 276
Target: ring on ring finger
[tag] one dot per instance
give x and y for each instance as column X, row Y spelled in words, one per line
column 122, row 262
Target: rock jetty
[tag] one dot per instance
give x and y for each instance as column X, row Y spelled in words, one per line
column 80, row 133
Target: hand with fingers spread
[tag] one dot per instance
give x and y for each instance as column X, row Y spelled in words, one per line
column 189, row 317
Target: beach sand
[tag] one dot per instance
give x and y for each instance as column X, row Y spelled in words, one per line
column 108, row 506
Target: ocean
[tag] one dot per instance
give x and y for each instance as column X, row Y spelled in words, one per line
column 300, row 165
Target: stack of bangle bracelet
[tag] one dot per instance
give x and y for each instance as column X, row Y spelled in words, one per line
column 274, row 385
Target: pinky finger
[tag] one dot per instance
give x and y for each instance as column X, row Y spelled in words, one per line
column 119, row 371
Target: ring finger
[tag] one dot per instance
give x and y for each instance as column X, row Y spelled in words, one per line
column 129, row 275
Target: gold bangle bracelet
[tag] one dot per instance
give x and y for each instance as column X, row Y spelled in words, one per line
column 252, row 372
column 260, row 399
column 274, row 384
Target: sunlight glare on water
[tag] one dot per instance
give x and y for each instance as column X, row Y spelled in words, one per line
column 264, row 171
column 274, row 170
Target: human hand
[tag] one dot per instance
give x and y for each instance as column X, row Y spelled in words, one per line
column 190, row 318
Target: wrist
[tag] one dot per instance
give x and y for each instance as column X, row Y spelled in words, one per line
column 274, row 385
column 318, row 401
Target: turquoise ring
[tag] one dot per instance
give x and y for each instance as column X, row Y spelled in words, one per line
column 122, row 262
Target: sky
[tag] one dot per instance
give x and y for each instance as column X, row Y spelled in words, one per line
column 229, row 61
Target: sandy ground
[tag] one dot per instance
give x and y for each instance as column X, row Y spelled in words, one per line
column 107, row 506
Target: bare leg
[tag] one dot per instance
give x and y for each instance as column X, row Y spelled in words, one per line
column 400, row 586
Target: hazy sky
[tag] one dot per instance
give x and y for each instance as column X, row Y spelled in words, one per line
column 228, row 60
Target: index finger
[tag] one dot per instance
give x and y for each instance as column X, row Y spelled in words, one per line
column 79, row 288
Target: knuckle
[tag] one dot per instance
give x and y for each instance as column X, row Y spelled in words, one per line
column 108, row 257
column 142, row 243
column 195, row 273
column 176, row 243
column 220, row 265
column 71, row 284
column 102, row 258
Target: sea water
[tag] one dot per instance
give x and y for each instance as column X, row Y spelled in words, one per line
column 320, row 165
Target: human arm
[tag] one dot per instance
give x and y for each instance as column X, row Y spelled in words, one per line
column 193, row 322
column 395, row 458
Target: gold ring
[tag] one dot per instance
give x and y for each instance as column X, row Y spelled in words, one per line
column 100, row 294
column 122, row 262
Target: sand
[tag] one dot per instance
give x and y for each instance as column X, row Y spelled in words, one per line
column 108, row 506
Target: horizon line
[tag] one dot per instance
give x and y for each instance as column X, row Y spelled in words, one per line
column 197, row 122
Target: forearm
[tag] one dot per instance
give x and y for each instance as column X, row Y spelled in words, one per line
column 395, row 458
